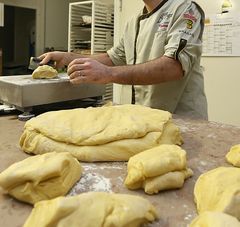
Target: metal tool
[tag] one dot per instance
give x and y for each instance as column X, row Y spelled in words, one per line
column 35, row 62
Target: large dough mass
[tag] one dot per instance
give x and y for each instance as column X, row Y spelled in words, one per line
column 219, row 190
column 41, row 177
column 108, row 133
column 98, row 209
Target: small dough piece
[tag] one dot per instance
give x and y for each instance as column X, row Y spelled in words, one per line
column 41, row 177
column 171, row 180
column 162, row 167
column 219, row 190
column 98, row 209
column 107, row 133
column 215, row 219
column 233, row 156
column 44, row 72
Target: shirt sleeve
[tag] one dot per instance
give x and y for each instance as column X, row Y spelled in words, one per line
column 117, row 53
column 184, row 39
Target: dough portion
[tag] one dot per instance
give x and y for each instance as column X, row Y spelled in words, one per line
column 167, row 181
column 44, row 72
column 219, row 190
column 98, row 209
column 108, row 133
column 41, row 177
column 215, row 219
column 233, row 156
column 160, row 168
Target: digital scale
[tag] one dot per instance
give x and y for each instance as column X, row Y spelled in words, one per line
column 27, row 94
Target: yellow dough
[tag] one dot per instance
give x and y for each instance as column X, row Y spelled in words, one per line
column 171, row 180
column 41, row 177
column 215, row 219
column 108, row 133
column 98, row 209
column 44, row 72
column 219, row 190
column 160, row 168
column 233, row 156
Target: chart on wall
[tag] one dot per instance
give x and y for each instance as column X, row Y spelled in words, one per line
column 221, row 35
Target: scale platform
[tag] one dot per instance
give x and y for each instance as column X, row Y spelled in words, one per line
column 23, row 92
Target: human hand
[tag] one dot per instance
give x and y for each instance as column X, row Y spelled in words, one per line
column 61, row 58
column 87, row 70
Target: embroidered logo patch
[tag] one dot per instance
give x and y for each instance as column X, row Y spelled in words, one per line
column 190, row 15
column 189, row 24
column 163, row 21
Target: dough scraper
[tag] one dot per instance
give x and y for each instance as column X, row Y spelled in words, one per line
column 35, row 62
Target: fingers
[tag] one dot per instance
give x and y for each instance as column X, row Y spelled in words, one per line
column 76, row 74
column 80, row 80
column 77, row 65
column 78, row 77
column 78, row 61
column 45, row 58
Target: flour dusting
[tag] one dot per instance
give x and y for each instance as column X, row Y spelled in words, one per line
column 188, row 217
column 91, row 182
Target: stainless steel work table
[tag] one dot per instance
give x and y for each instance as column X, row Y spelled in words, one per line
column 206, row 144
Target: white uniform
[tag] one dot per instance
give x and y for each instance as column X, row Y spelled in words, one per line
column 173, row 29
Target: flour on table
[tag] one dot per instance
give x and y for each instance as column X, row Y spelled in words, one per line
column 188, row 217
column 91, row 182
column 212, row 135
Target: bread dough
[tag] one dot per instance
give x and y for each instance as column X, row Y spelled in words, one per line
column 215, row 219
column 41, row 177
column 44, row 72
column 171, row 180
column 162, row 167
column 98, row 209
column 233, row 156
column 219, row 190
column 108, row 133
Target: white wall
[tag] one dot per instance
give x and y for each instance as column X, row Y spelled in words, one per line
column 56, row 28
column 222, row 77
column 221, row 74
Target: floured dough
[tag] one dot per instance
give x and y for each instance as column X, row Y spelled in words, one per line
column 233, row 156
column 108, row 133
column 41, row 177
column 219, row 190
column 44, row 72
column 162, row 167
column 215, row 219
column 171, row 180
column 98, row 209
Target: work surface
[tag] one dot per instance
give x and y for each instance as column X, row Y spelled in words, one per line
column 206, row 144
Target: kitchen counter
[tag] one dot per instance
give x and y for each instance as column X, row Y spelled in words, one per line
column 206, row 144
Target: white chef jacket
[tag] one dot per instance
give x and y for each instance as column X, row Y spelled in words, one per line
column 174, row 29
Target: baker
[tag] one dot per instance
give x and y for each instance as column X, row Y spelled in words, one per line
column 158, row 54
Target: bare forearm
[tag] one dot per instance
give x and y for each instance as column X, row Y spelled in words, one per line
column 153, row 72
column 99, row 69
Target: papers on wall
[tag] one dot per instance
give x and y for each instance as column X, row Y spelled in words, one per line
column 221, row 35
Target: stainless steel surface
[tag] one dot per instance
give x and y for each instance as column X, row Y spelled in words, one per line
column 24, row 91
